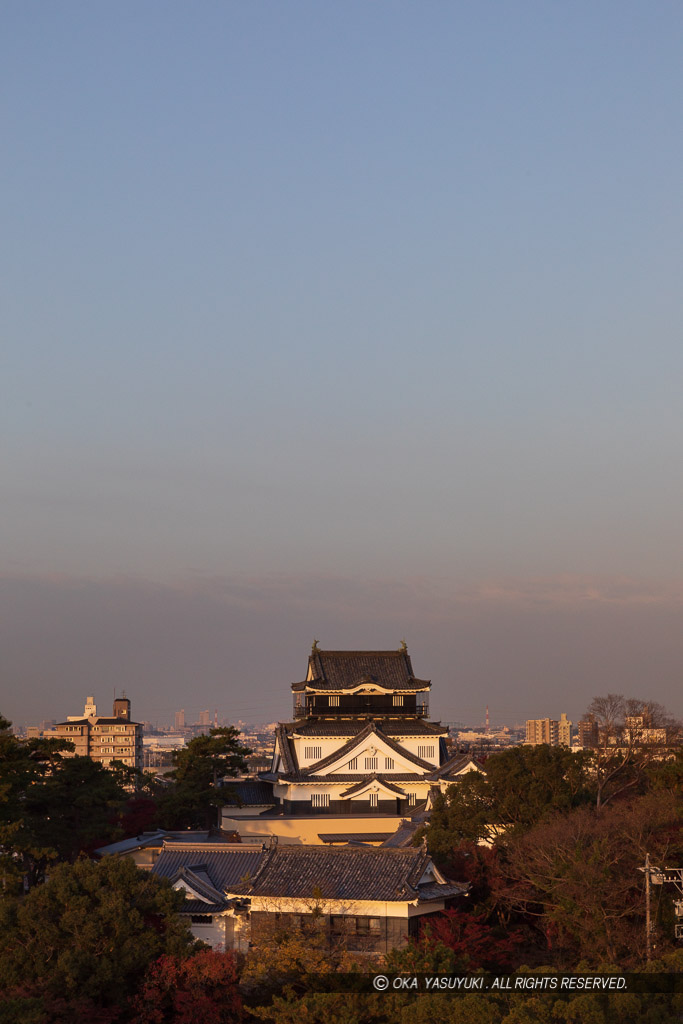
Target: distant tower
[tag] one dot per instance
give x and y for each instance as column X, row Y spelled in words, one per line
column 487, row 718
column 180, row 719
column 204, row 717
column 215, row 719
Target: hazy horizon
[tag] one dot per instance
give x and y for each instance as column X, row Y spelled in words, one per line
column 353, row 322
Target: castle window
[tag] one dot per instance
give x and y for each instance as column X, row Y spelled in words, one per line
column 388, row 762
column 320, row 800
column 398, row 700
column 334, row 700
column 370, row 763
column 353, row 764
column 202, row 919
column 368, row 925
column 374, row 799
column 425, row 751
column 412, row 799
column 313, row 753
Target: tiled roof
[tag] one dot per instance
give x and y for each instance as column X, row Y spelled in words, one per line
column 191, row 906
column 361, row 777
column 385, row 780
column 441, row 890
column 286, row 753
column 249, row 793
column 228, row 866
column 403, row 836
column 200, row 884
column 352, row 726
column 343, row 670
column 341, row 873
column 134, row 843
column 454, row 766
column 156, row 838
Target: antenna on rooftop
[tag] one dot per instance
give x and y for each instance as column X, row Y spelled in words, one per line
column 487, row 718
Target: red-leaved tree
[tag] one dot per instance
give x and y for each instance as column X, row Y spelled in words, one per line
column 475, row 942
column 199, row 990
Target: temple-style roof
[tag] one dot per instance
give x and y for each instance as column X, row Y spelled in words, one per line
column 456, row 766
column 349, row 873
column 248, row 793
column 385, row 781
column 358, row 776
column 347, row 670
column 286, row 753
column 226, row 867
column 347, row 727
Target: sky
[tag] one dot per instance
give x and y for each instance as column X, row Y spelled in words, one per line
column 358, row 322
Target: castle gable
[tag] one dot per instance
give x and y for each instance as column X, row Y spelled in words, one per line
column 373, row 746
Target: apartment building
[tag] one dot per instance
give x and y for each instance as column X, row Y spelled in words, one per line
column 549, row 730
column 103, row 738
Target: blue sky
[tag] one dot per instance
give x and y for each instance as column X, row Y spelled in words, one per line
column 369, row 297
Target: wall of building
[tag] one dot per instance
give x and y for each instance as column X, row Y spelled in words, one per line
column 305, row 831
column 213, row 933
column 226, row 931
column 358, row 932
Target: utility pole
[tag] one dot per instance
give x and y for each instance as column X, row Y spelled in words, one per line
column 661, row 876
column 648, row 926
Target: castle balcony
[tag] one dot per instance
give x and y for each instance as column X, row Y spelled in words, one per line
column 374, row 706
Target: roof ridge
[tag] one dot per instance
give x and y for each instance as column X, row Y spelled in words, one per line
column 295, row 849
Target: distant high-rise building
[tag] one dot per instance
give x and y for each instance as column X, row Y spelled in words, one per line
column 564, row 731
column 104, row 739
column 204, row 717
column 180, row 719
column 588, row 732
column 541, row 730
column 549, row 730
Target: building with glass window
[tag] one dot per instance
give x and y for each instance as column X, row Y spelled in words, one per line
column 102, row 738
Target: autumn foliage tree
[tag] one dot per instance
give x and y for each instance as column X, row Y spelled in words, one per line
column 88, row 934
column 201, row 989
column 577, row 877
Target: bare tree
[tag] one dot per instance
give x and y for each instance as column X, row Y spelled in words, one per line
column 631, row 734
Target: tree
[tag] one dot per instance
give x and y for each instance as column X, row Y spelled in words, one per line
column 25, row 767
column 283, row 953
column 199, row 768
column 475, row 941
column 74, row 808
column 631, row 736
column 89, row 933
column 521, row 786
column 576, row 875
column 201, row 989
